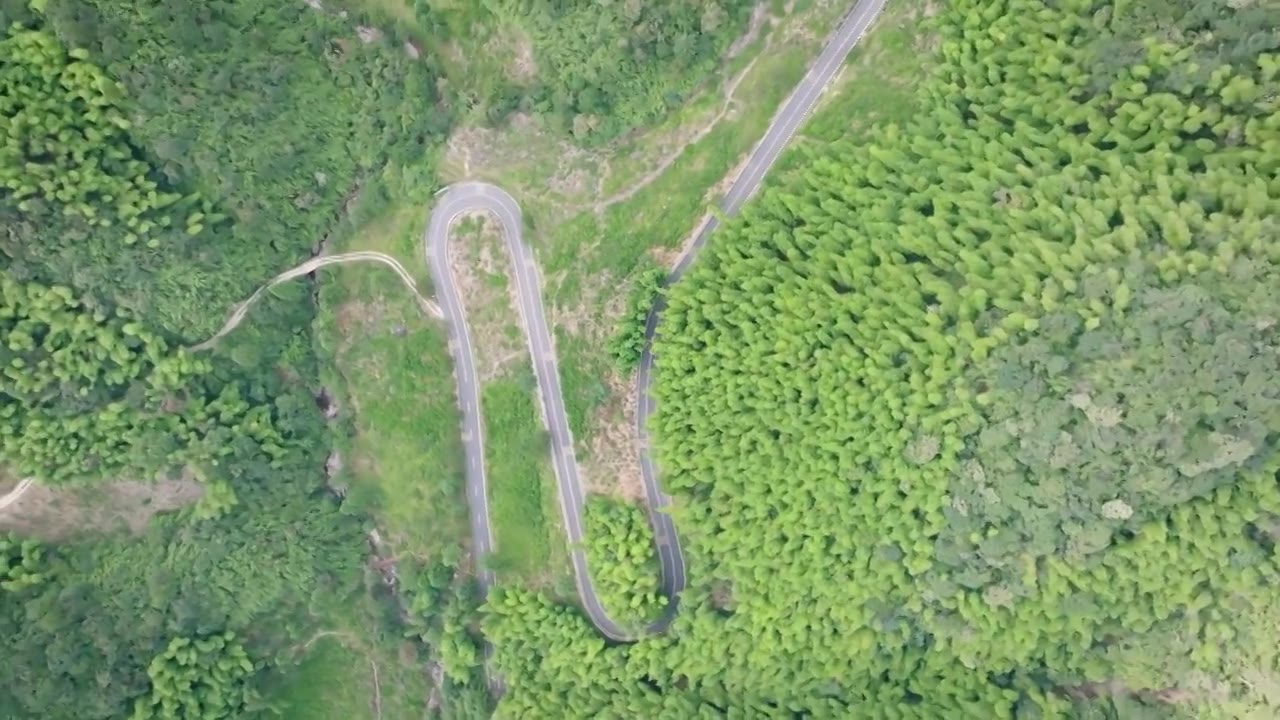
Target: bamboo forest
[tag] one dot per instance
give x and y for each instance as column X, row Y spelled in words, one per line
column 972, row 412
column 978, row 418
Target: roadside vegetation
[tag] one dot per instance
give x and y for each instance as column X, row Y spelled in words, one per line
column 389, row 377
column 176, row 170
column 952, row 413
column 521, row 486
column 627, row 343
column 877, row 84
column 624, row 568
column 590, row 70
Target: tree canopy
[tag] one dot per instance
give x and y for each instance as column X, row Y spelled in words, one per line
column 157, row 160
column 977, row 418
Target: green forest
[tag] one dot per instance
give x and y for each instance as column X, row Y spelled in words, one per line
column 605, row 68
column 158, row 160
column 595, row 70
column 624, row 570
column 978, row 418
column 973, row 417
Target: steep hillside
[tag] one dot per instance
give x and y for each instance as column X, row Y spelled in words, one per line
column 979, row 418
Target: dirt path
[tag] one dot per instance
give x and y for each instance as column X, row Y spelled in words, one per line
column 730, row 89
column 15, row 494
column 427, row 305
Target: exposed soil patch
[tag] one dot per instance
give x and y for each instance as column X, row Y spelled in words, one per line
column 613, row 468
column 523, row 68
column 479, row 263
column 57, row 513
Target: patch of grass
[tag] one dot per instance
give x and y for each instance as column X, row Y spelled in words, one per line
column 878, row 82
column 333, row 682
column 582, row 369
column 334, row 678
column 520, row 480
column 391, row 375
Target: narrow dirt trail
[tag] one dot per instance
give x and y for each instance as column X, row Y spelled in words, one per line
column 426, row 304
column 730, row 100
column 15, row 494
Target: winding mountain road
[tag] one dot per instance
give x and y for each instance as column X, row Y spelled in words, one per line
column 468, row 197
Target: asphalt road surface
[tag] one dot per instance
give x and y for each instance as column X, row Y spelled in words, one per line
column 470, row 197
column 785, row 123
column 16, row 493
column 474, row 196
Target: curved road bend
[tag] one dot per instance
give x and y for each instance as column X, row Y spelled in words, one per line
column 785, row 123
column 474, row 196
column 469, row 197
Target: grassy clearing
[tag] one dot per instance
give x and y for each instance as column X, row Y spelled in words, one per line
column 663, row 213
column 392, row 378
column 334, row 677
column 334, row 682
column 878, row 81
column 520, row 477
column 582, row 368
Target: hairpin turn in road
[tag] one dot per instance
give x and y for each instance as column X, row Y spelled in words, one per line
column 467, row 197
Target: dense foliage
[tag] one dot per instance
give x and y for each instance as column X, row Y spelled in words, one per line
column 79, row 644
column 64, row 142
column 88, row 396
column 627, row 342
column 978, row 419
column 201, row 677
column 607, row 68
column 271, row 115
column 265, row 117
column 595, row 69
column 624, row 570
column 442, row 603
column 21, row 564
